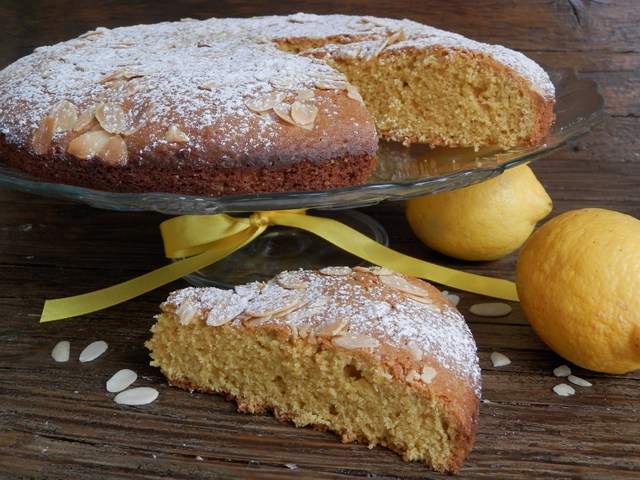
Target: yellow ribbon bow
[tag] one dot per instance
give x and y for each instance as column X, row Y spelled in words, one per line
column 201, row 240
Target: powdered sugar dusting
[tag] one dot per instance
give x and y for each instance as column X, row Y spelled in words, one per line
column 367, row 308
column 195, row 74
column 199, row 74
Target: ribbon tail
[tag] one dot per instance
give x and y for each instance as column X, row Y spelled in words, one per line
column 68, row 307
column 364, row 247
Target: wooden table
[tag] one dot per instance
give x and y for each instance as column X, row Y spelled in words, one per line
column 58, row 421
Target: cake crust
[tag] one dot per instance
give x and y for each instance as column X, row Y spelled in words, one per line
column 316, row 347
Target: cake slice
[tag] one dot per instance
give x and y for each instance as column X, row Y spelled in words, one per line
column 372, row 355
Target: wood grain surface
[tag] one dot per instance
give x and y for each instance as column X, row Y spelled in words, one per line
column 58, row 421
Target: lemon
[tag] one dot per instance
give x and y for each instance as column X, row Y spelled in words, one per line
column 578, row 279
column 485, row 221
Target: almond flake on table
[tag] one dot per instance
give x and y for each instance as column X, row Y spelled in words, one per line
column 120, row 380
column 60, row 352
column 499, row 359
column 491, row 309
column 579, row 381
column 136, row 396
column 564, row 390
column 93, row 351
column 562, row 371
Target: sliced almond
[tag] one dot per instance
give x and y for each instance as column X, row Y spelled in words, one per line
column 360, row 268
column 187, row 312
column 332, row 329
column 135, row 73
column 412, row 376
column 283, row 110
column 249, row 290
column 303, row 301
column 304, row 331
column 43, row 135
column 355, row 340
column 66, row 115
column 284, row 81
column 84, row 119
column 115, row 151
column 395, row 37
column 89, row 144
column 298, row 114
column 60, row 352
column 93, row 351
column 309, row 335
column 452, row 297
column 228, row 306
column 491, row 309
column 336, row 271
column 265, row 102
column 136, row 396
column 376, row 309
column 116, row 74
column 132, row 89
column 415, row 351
column 381, row 271
column 121, row 379
column 403, row 285
column 210, row 87
column 328, row 84
column 420, row 299
column 564, row 390
column 111, row 117
column 114, row 84
column 92, row 33
column 499, row 359
column 354, row 94
column 304, row 95
column 309, row 310
column 140, row 120
column 428, row 374
column 272, row 304
column 256, row 321
column 291, row 281
column 579, row 381
column 562, row 371
column 332, row 76
column 174, row 134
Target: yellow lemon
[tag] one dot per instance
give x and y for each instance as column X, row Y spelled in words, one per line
column 485, row 221
column 578, row 279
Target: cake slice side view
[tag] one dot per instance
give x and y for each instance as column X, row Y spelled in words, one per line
column 374, row 356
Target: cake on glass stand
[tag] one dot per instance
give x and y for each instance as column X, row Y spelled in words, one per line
column 401, row 173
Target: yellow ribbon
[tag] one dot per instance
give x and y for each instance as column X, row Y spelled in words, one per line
column 201, row 240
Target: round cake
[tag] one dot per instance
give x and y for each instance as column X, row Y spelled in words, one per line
column 266, row 104
column 372, row 355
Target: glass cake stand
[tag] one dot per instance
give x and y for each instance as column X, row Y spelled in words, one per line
column 401, row 173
